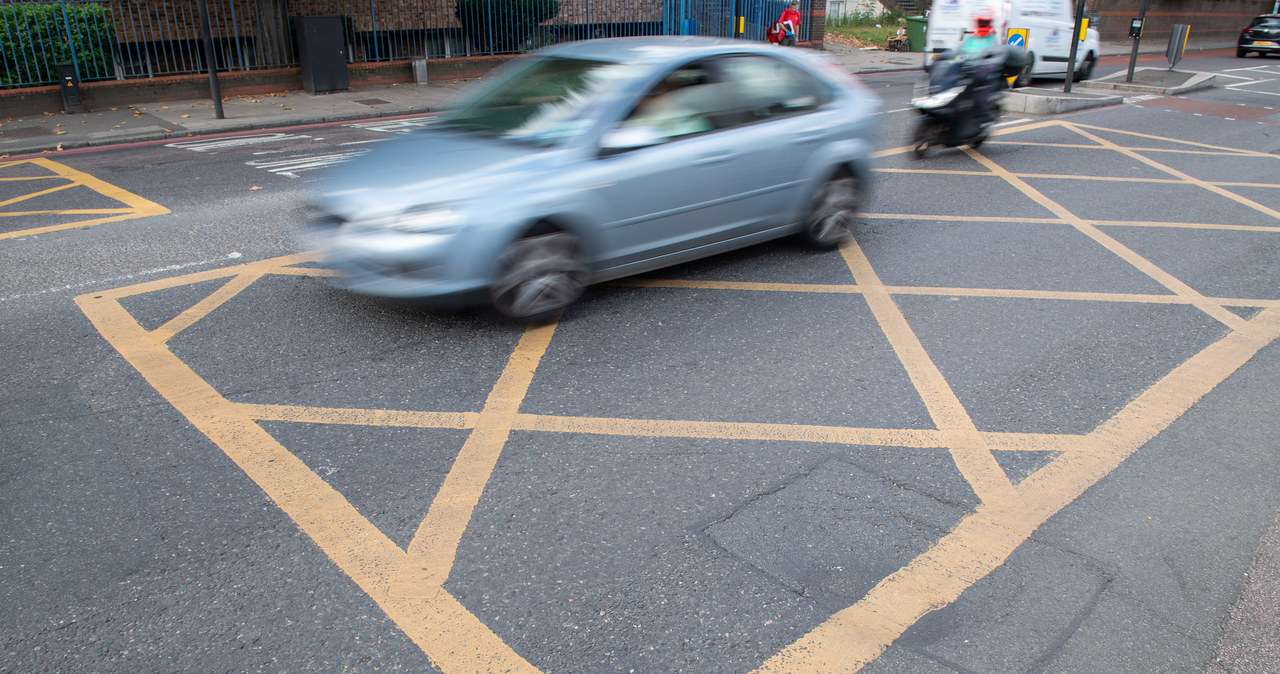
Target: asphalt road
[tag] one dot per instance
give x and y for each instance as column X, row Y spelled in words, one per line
column 1025, row 423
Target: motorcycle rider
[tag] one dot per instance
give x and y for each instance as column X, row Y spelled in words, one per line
column 983, row 35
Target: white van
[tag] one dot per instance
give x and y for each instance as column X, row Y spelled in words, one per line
column 1048, row 26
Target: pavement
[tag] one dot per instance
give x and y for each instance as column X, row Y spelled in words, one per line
column 173, row 120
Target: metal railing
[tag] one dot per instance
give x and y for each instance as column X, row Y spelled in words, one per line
column 124, row 39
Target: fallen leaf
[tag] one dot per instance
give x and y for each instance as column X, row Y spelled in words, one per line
column 59, row 132
column 255, row 187
column 59, row 147
column 184, row 116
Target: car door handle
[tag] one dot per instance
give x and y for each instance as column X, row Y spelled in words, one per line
column 714, row 158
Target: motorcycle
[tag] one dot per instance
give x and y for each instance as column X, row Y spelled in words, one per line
column 959, row 97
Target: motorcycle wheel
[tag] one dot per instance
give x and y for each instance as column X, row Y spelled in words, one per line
column 920, row 138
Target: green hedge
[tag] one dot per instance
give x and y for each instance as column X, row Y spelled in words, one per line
column 34, row 38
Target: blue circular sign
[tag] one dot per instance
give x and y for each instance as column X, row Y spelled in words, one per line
column 1018, row 40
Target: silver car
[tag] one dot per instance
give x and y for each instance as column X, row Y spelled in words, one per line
column 594, row 160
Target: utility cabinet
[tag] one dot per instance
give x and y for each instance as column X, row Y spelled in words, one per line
column 322, row 49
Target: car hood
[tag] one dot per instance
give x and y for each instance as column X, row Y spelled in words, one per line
column 427, row 166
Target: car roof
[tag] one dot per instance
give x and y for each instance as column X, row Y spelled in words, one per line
column 654, row 49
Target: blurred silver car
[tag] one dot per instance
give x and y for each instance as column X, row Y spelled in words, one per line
column 593, row 160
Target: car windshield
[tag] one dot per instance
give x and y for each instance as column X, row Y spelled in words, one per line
column 1266, row 22
column 541, row 103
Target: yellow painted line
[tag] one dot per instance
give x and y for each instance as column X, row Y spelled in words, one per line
column 997, row 133
column 1161, row 276
column 1217, row 149
column 1057, row 484
column 907, row 438
column 67, row 211
column 274, row 265
column 970, row 453
column 1191, row 180
column 1073, row 296
column 358, row 417
column 33, row 195
column 453, row 638
column 983, row 540
column 202, row 308
column 435, row 544
column 724, row 430
column 138, row 206
column 944, row 291
column 1086, row 146
column 739, row 285
column 1185, row 225
column 308, row 271
column 961, row 218
column 941, row 172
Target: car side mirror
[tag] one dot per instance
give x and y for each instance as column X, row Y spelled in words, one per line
column 624, row 138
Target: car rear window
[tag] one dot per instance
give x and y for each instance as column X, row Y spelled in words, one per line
column 1266, row 22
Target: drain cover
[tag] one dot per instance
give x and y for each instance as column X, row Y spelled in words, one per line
column 25, row 132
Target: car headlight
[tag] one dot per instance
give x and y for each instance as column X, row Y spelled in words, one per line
column 438, row 219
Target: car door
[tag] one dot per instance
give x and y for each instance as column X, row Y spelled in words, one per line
column 665, row 198
column 786, row 118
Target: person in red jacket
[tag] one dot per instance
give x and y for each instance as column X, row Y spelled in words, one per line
column 790, row 24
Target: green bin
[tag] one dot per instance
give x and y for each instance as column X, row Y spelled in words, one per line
column 916, row 28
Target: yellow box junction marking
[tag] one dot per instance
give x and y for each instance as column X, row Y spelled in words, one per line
column 53, row 177
column 408, row 584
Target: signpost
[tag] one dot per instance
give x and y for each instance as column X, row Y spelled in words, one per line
column 1016, row 38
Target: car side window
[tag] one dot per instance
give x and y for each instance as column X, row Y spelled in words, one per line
column 690, row 100
column 768, row 87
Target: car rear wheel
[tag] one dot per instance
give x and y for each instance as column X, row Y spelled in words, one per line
column 539, row 276
column 830, row 222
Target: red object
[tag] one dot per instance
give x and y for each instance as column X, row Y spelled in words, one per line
column 982, row 22
column 775, row 33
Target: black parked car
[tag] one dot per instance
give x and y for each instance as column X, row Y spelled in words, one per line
column 1262, row 36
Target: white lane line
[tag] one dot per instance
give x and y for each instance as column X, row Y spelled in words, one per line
column 126, row 277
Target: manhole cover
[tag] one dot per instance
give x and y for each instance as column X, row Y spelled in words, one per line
column 25, row 132
column 373, row 101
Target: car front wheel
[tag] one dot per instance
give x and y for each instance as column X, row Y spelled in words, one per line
column 538, row 277
column 1086, row 68
column 831, row 220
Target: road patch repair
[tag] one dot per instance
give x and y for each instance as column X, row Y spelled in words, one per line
column 996, row 475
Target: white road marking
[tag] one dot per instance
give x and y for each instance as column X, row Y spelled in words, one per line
column 214, row 144
column 126, row 277
column 296, row 164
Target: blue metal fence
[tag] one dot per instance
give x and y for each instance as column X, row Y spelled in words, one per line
column 124, row 39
